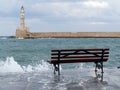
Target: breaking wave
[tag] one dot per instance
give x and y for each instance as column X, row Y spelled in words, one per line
column 10, row 65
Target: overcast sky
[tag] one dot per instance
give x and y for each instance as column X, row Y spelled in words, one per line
column 61, row 15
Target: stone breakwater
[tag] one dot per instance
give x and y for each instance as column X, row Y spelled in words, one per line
column 68, row 34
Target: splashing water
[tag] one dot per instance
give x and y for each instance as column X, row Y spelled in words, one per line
column 10, row 65
column 44, row 66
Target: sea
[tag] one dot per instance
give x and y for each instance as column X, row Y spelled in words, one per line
column 24, row 66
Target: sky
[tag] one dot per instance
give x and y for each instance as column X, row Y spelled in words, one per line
column 60, row 15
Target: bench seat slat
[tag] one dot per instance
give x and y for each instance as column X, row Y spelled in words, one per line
column 56, row 57
column 95, row 49
column 80, row 53
column 96, row 58
column 71, row 53
column 75, row 61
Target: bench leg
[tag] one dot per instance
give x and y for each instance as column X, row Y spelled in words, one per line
column 99, row 67
column 56, row 68
column 102, row 71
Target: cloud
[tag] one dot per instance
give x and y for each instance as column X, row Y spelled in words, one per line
column 99, row 23
column 6, row 6
column 71, row 9
column 96, row 4
column 8, row 25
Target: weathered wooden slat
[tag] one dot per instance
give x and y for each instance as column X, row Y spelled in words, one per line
column 94, row 49
column 71, row 53
column 76, row 61
column 80, row 58
column 78, row 51
column 56, row 57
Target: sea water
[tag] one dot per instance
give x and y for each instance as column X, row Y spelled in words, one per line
column 23, row 65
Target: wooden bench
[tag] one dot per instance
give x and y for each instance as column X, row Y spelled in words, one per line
column 96, row 55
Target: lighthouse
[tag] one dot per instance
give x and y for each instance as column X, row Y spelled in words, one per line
column 22, row 17
column 22, row 31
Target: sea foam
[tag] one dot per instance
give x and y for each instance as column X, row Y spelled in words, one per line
column 10, row 65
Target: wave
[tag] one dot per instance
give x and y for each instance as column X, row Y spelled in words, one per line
column 3, row 37
column 10, row 65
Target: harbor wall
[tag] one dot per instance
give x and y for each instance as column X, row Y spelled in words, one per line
column 68, row 34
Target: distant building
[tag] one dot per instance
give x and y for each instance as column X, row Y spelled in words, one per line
column 22, row 31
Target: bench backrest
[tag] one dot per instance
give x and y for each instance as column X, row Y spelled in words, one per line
column 79, row 55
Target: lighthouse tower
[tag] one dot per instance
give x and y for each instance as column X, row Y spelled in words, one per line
column 22, row 17
column 22, row 31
